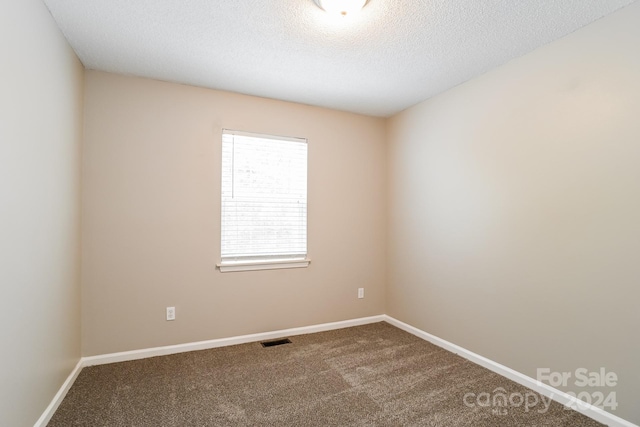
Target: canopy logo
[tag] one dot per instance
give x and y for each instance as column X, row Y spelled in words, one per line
column 500, row 402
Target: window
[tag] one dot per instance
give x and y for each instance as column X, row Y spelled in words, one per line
column 264, row 202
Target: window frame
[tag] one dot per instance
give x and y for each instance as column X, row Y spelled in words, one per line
column 268, row 262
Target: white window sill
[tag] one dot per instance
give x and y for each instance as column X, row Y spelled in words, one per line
column 227, row 267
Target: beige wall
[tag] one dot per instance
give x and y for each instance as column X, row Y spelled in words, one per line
column 151, row 217
column 515, row 209
column 40, row 131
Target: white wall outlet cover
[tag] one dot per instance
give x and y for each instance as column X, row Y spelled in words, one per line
column 360, row 292
column 171, row 313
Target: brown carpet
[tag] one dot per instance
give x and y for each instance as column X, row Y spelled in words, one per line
column 372, row 375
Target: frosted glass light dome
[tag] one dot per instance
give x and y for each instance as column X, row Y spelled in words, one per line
column 341, row 7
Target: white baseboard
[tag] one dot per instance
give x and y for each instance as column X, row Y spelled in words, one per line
column 546, row 390
column 57, row 399
column 223, row 342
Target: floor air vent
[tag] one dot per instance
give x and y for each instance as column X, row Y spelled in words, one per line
column 276, row 342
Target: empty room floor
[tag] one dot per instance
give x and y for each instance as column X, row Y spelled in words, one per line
column 371, row 375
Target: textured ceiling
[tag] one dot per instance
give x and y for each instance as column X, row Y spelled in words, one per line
column 393, row 54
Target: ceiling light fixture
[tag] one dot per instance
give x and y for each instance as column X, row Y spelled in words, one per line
column 341, row 7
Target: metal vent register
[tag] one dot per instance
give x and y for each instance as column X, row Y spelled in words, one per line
column 276, row 342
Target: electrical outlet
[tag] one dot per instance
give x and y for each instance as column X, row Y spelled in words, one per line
column 360, row 292
column 171, row 313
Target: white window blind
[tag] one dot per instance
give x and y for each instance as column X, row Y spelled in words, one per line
column 264, row 197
